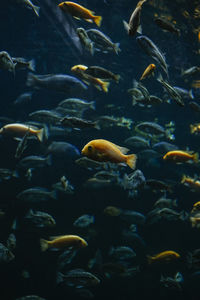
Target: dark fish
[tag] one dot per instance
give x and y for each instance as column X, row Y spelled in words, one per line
column 23, row 99
column 78, row 123
column 158, row 185
column 195, row 106
column 63, row 148
column 57, row 82
column 101, row 73
column 151, row 128
column 166, row 25
column 6, row 62
column 164, row 147
column 22, row 63
column 152, row 50
column 78, row 278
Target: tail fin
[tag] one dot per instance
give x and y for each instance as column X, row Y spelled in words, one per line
column 192, row 128
column 196, row 157
column 126, row 26
column 31, row 65
column 92, row 105
column 116, row 47
column 40, row 134
column 36, row 10
column 191, row 94
column 117, row 78
column 105, row 86
column 97, row 20
column 131, row 160
column 44, row 245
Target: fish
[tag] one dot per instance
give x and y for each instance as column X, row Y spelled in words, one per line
column 22, row 63
column 163, row 147
column 121, row 253
column 80, row 12
column 179, row 156
column 19, row 130
column 29, row 4
column 158, row 185
column 63, row 241
column 172, row 283
column 102, row 73
column 101, row 85
column 165, row 256
column 102, row 41
column 173, row 93
column 151, row 128
column 133, row 25
column 78, row 278
column 40, row 219
column 84, row 221
column 165, row 202
column 78, row 123
column 63, row 186
column 85, row 40
column 36, row 195
column 90, row 164
column 191, row 71
column 105, row 151
column 5, row 254
column 34, row 161
column 45, row 116
column 190, row 182
column 148, row 71
column 6, row 174
column 77, row 104
column 11, row 242
column 56, row 82
column 130, row 216
column 138, row 142
column 195, row 106
column 6, row 62
column 62, row 149
column 31, row 297
column 166, row 25
column 152, row 50
column 184, row 93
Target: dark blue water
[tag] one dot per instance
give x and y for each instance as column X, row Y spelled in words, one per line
column 48, row 40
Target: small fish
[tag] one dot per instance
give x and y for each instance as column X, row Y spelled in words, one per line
column 80, row 12
column 23, row 99
column 77, row 104
column 179, row 156
column 137, row 142
column 29, row 4
column 102, row 41
column 148, row 71
column 173, row 93
column 45, row 116
column 184, row 93
column 191, row 71
column 105, row 151
column 85, row 40
column 193, row 183
column 34, row 195
column 121, row 253
column 6, row 174
column 163, row 147
column 78, row 278
column 152, row 50
column 84, row 221
column 165, row 202
column 5, row 254
column 101, row 85
column 151, row 128
column 166, row 25
column 90, row 164
column 195, row 106
column 63, row 186
column 6, row 62
column 40, row 219
column 158, row 185
column 172, row 283
column 34, row 161
column 56, row 82
column 31, row 297
column 74, row 122
column 133, row 25
column 62, row 149
column 22, row 63
column 102, row 73
column 63, row 242
column 19, row 130
column 165, row 256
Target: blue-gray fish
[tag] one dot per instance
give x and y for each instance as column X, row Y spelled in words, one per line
column 78, row 278
column 152, row 50
column 57, row 82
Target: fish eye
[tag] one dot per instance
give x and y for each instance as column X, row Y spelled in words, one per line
column 89, row 148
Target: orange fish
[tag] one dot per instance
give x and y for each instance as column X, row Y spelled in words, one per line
column 101, row 85
column 165, row 256
column 148, row 71
column 19, row 130
column 195, row 129
column 80, row 12
column 105, row 151
column 63, row 242
column 179, row 156
column 191, row 182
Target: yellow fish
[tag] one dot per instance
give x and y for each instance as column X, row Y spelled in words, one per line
column 80, row 12
column 105, row 151
column 63, row 242
column 19, row 130
column 148, row 71
column 179, row 156
column 165, row 256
